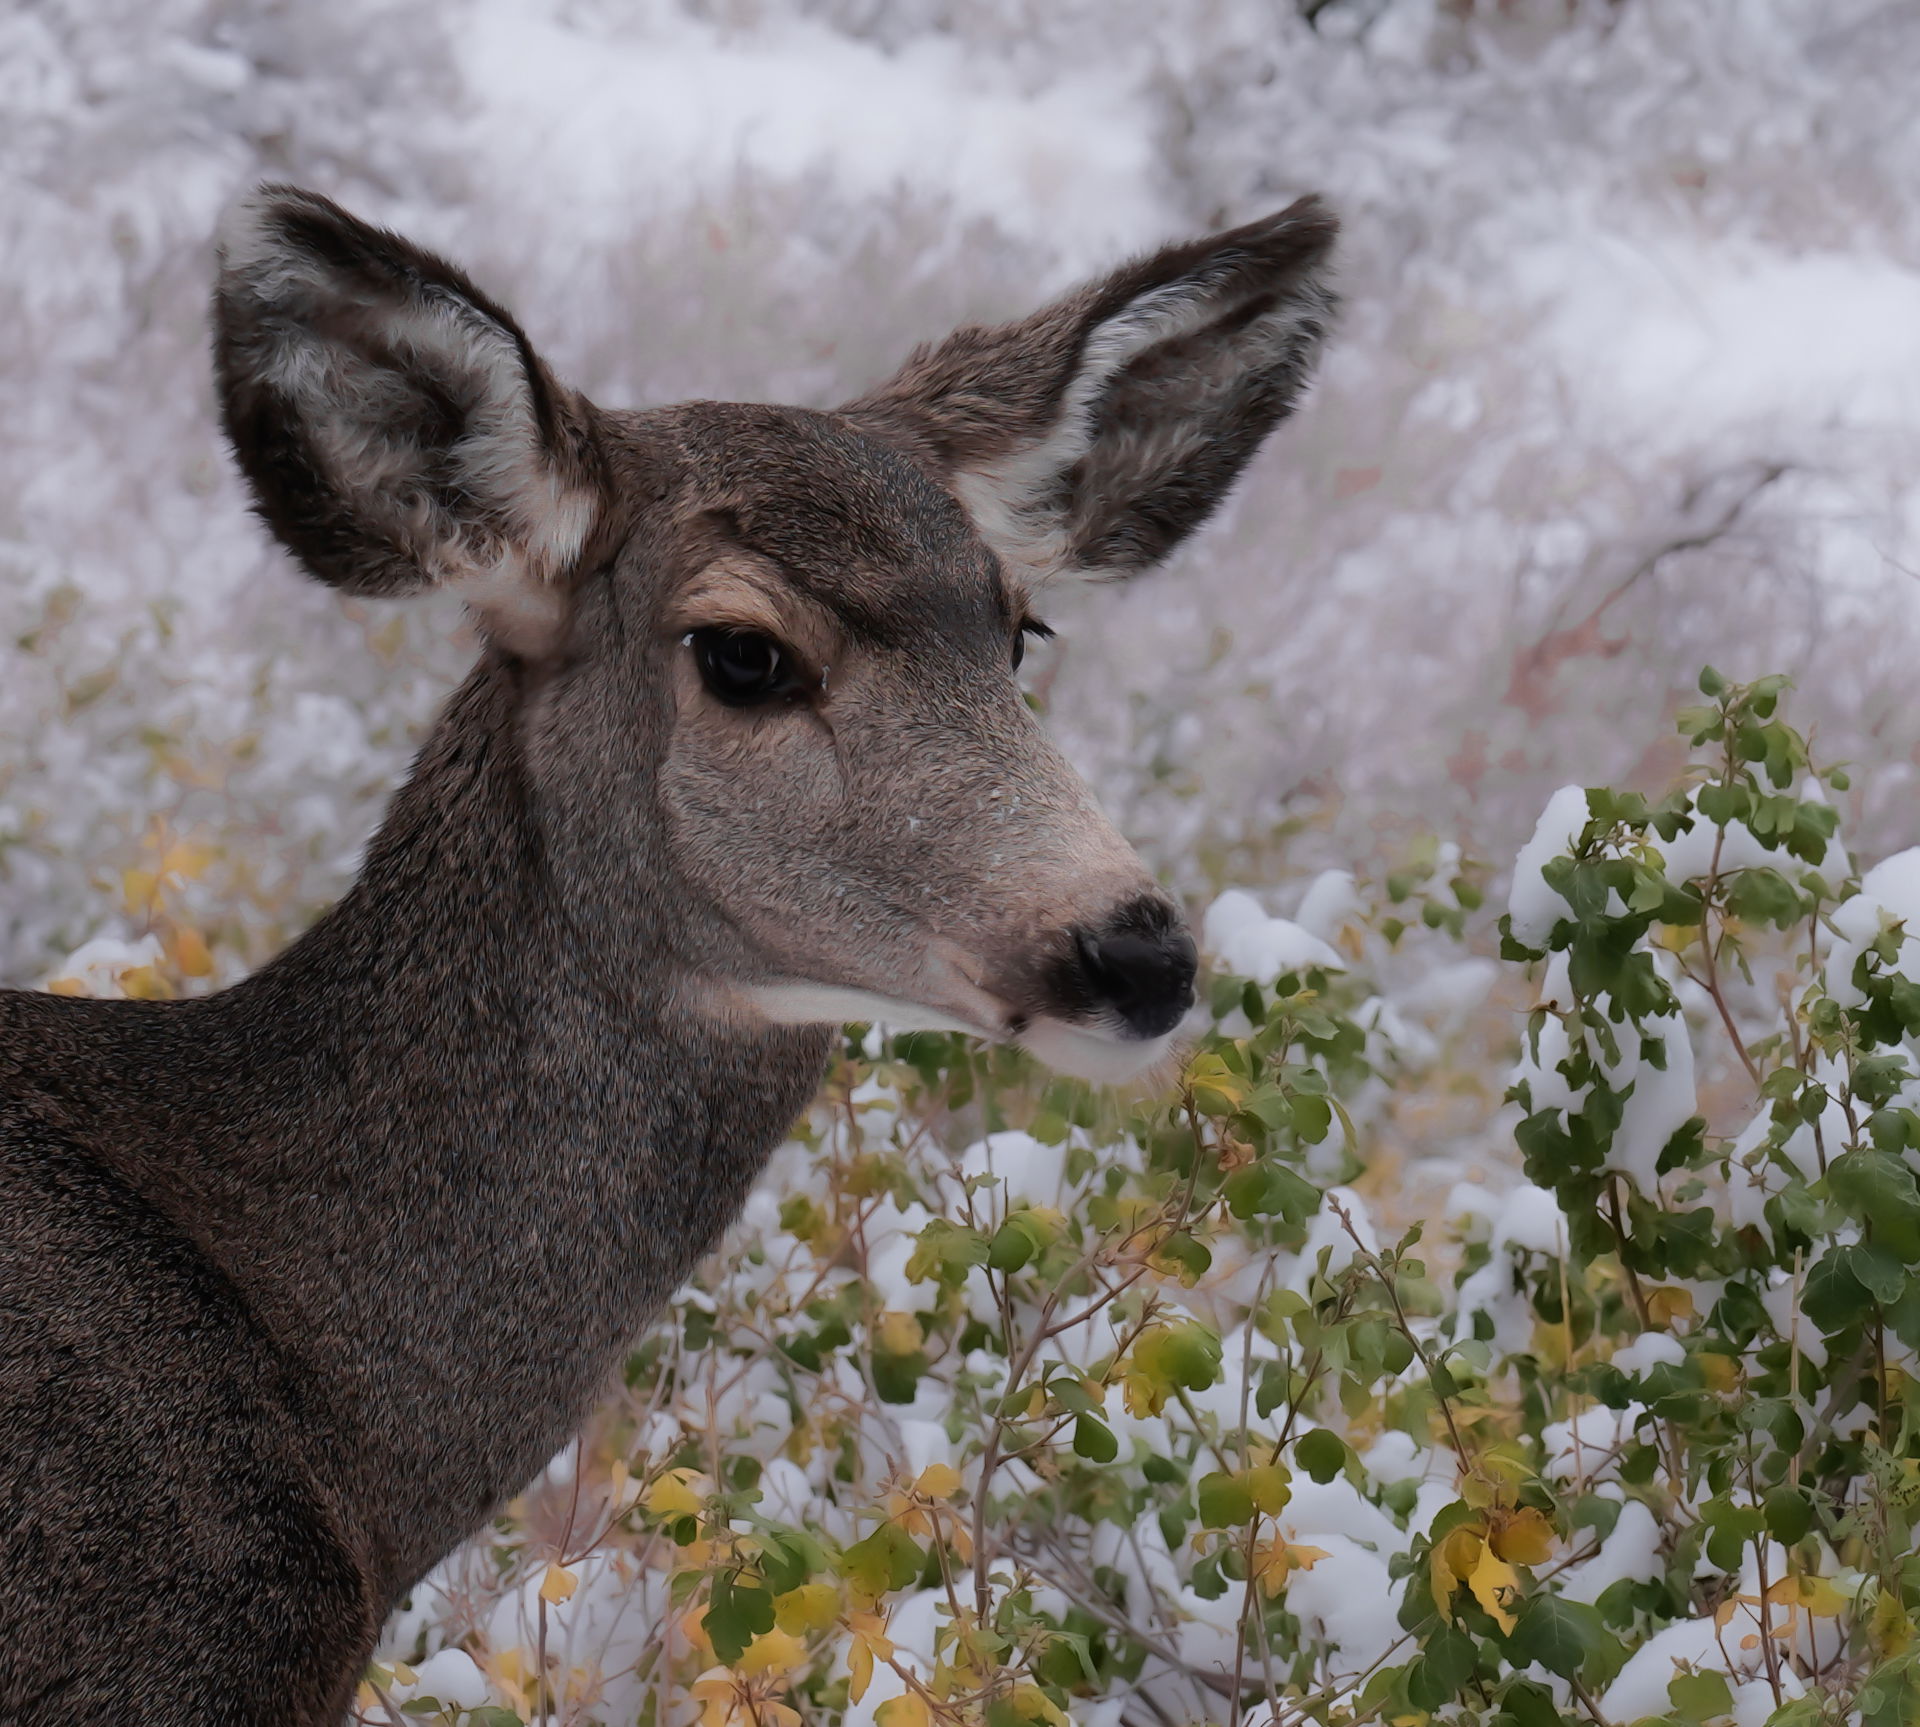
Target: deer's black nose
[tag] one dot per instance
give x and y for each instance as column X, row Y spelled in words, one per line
column 1139, row 966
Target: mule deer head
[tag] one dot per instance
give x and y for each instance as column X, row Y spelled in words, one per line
column 775, row 649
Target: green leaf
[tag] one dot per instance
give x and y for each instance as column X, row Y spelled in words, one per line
column 1012, row 1246
column 1558, row 1633
column 1525, row 1704
column 1322, row 1453
column 887, row 1559
column 1224, row 1502
column 1446, row 1664
column 1094, row 1440
column 738, row 1613
column 1877, row 1189
column 1312, row 1116
column 1700, row 1696
column 1789, row 1515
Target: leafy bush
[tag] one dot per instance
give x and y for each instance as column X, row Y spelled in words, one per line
column 1009, row 1401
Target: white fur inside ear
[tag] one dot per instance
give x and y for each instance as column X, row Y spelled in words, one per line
column 835, row 1004
column 492, row 517
column 1003, row 496
column 1010, row 498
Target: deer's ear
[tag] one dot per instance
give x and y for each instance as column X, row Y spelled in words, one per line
column 1097, row 434
column 396, row 427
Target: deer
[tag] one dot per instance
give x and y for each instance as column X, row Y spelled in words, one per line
column 302, row 1278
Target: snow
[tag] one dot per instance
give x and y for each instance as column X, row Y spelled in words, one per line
column 1889, row 893
column 1534, row 907
column 1689, row 855
column 633, row 119
column 1587, row 1446
column 1684, row 340
column 1029, row 1171
column 1344, row 1599
column 98, row 967
column 1244, row 939
column 1331, row 902
column 1649, row 1350
column 451, row 1677
column 1630, row 1554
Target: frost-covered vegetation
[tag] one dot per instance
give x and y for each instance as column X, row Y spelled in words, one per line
column 1010, row 1401
column 1517, row 1339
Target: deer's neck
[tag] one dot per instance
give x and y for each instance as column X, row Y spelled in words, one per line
column 458, row 1161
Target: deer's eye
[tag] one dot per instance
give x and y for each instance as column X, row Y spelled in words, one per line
column 743, row 668
column 1028, row 627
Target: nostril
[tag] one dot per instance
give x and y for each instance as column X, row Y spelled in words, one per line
column 1145, row 978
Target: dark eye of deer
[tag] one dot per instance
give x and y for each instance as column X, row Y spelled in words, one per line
column 742, row 667
column 1019, row 649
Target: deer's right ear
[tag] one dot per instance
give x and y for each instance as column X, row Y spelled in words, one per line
column 396, row 427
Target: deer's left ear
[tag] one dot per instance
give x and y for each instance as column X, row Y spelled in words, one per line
column 1094, row 436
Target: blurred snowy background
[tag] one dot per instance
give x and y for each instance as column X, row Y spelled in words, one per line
column 1628, row 380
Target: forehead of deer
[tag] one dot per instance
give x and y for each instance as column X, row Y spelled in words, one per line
column 846, row 520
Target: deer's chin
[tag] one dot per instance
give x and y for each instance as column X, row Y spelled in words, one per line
column 1087, row 1052
column 1090, row 1053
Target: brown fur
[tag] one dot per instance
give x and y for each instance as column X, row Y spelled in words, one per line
column 298, row 1281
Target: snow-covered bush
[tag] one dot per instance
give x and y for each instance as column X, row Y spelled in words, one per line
column 1011, row 1401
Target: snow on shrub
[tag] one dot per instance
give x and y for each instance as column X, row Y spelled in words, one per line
column 1008, row 1401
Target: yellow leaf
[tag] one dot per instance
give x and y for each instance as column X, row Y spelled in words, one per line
column 1888, row 1625
column 558, row 1585
column 1524, row 1536
column 508, row 1673
column 678, row 1493
column 898, row 1333
column 870, row 1643
column 1451, row 1563
column 138, row 887
column 938, row 1481
column 774, row 1651
column 1723, row 1614
column 1496, row 1586
column 1815, row 1595
column 1721, row 1372
column 719, row 1699
column 810, row 1608
column 1275, row 1561
column 906, row 1711
column 1267, row 1484
column 1666, row 1304
column 143, row 983
column 66, row 986
column 190, row 952
column 184, row 861
column 405, row 1675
